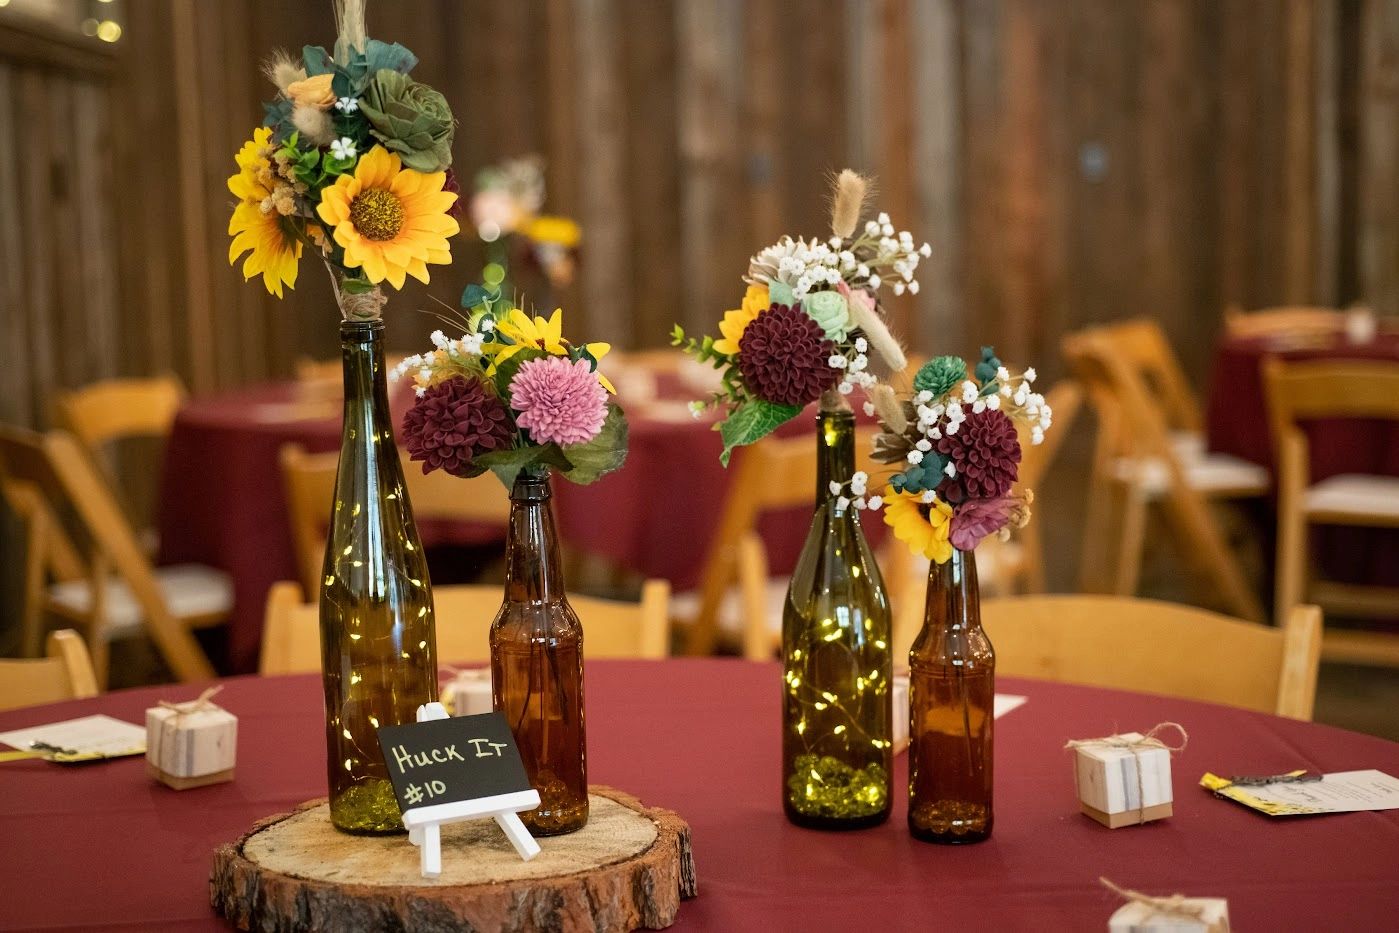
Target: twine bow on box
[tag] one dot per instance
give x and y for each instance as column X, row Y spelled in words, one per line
column 1174, row 906
column 1148, row 741
column 198, row 704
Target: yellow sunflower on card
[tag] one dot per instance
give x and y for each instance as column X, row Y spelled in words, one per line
column 391, row 221
column 256, row 226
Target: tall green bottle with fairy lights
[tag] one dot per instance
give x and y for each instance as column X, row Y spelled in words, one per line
column 378, row 641
column 837, row 726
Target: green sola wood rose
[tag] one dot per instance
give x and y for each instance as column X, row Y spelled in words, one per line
column 410, row 119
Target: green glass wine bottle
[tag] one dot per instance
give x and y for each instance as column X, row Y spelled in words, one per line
column 837, row 726
column 378, row 643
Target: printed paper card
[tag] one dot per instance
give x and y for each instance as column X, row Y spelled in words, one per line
column 1342, row 792
column 87, row 739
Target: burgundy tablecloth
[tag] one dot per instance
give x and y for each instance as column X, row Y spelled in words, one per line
column 1237, row 424
column 222, row 500
column 101, row 846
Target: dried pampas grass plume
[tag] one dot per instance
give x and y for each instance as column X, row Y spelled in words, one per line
column 848, row 202
column 283, row 70
column 314, row 124
column 888, row 407
column 881, row 340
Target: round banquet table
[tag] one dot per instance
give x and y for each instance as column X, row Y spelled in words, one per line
column 101, row 845
column 222, row 504
column 1236, row 423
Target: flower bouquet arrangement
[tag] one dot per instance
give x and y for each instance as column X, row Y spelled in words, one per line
column 808, row 321
column 506, row 211
column 956, row 445
column 512, row 394
column 351, row 162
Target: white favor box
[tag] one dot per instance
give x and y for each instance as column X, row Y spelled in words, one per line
column 1137, row 917
column 191, row 749
column 901, row 713
column 469, row 692
column 1120, row 786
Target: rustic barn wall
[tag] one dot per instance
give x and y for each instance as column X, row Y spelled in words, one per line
column 1072, row 162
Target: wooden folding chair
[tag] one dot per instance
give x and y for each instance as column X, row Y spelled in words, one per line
column 1317, row 389
column 107, row 587
column 1158, row 647
column 310, row 488
column 1150, row 451
column 1295, row 320
column 66, row 674
column 115, row 410
column 611, row 629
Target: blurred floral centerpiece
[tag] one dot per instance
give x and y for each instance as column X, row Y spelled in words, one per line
column 809, row 320
column 506, row 210
column 352, row 163
column 513, row 396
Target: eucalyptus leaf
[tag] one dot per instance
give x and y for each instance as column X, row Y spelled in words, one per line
column 602, row 454
column 751, row 421
column 474, row 296
column 393, row 56
column 506, row 464
column 316, row 60
column 505, row 372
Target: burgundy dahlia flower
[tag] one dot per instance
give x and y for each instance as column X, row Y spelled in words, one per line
column 452, row 423
column 783, row 357
column 986, row 454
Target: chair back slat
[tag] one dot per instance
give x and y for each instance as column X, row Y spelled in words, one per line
column 65, row 674
column 1157, row 647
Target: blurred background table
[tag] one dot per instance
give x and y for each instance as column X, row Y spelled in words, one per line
column 222, row 499
column 720, row 770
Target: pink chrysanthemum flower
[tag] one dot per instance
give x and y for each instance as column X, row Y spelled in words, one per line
column 558, row 401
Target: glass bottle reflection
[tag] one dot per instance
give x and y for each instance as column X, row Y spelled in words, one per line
column 836, row 727
column 537, row 663
column 378, row 643
column 952, row 685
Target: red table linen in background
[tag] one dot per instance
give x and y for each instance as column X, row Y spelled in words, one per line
column 102, row 846
column 1237, row 423
column 222, row 501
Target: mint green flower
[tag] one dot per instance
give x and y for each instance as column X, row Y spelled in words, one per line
column 831, row 311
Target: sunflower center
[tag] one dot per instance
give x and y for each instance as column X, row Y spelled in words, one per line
column 377, row 214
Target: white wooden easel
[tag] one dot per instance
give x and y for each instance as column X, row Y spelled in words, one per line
column 425, row 824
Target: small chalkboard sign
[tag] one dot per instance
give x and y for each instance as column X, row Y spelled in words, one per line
column 447, row 769
column 451, row 760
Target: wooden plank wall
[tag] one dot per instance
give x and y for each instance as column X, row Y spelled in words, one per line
column 1072, row 161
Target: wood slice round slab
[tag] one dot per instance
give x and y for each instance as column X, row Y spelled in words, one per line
column 627, row 869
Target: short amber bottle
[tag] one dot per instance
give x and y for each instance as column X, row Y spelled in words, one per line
column 952, row 686
column 537, row 663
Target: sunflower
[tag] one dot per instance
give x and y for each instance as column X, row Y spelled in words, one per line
column 755, row 302
column 256, row 226
column 390, row 220
column 922, row 526
column 536, row 333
